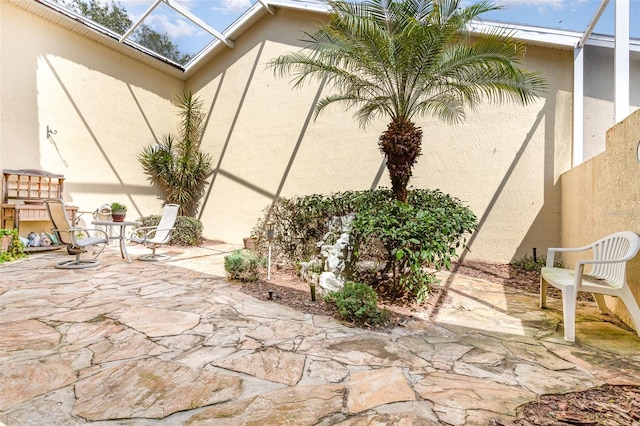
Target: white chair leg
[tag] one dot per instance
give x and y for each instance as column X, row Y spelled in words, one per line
column 632, row 307
column 569, row 313
column 602, row 306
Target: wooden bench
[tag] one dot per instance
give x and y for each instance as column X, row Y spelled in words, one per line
column 608, row 275
column 23, row 195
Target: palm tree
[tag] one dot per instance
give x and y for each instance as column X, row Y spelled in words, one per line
column 176, row 164
column 406, row 58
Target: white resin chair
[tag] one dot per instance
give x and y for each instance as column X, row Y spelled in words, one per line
column 156, row 236
column 607, row 275
column 77, row 239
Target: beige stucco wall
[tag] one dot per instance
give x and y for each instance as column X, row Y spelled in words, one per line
column 602, row 196
column 103, row 105
column 503, row 161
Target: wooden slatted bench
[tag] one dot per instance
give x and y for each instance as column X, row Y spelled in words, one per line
column 23, row 195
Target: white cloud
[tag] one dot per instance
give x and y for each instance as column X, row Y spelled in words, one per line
column 132, row 4
column 187, row 4
column 137, row 7
column 554, row 3
column 233, row 6
column 147, row 3
column 177, row 29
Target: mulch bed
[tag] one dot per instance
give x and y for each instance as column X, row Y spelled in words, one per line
column 605, row 405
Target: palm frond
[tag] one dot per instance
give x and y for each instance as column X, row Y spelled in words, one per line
column 401, row 58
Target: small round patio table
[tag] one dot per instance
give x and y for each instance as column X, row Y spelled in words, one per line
column 121, row 235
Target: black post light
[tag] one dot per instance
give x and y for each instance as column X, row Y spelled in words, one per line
column 270, row 235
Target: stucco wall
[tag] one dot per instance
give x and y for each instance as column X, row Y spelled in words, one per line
column 602, row 196
column 103, row 105
column 503, row 161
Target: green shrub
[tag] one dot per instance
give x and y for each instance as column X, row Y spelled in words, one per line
column 357, row 303
column 243, row 265
column 527, row 263
column 415, row 236
column 405, row 237
column 300, row 222
column 187, row 232
column 16, row 247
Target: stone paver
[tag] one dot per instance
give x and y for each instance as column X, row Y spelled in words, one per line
column 174, row 343
column 369, row 389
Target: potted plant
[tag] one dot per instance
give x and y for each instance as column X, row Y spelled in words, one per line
column 118, row 212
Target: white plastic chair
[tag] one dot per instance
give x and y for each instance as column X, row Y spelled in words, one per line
column 156, row 236
column 608, row 275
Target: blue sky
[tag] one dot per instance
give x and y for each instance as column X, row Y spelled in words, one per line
column 562, row 14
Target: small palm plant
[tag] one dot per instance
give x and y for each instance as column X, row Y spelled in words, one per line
column 176, row 165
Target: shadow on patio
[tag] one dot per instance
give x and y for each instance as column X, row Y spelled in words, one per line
column 175, row 343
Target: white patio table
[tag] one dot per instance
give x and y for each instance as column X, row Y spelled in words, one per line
column 121, row 235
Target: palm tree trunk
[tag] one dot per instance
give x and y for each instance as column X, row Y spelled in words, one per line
column 402, row 144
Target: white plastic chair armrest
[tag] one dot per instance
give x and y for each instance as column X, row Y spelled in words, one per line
column 578, row 274
column 551, row 253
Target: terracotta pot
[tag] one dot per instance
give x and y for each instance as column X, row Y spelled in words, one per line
column 5, row 242
column 118, row 215
column 249, row 243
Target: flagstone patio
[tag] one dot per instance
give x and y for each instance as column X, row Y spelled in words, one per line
column 175, row 343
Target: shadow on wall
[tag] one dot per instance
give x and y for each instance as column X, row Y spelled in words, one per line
column 537, row 237
column 505, row 179
column 57, row 79
column 544, row 231
column 107, row 189
column 224, row 62
column 219, row 169
column 544, row 113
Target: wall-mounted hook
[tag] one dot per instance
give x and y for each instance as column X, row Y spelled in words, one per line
column 51, row 132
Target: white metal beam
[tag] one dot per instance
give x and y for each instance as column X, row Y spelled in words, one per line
column 593, row 23
column 621, row 60
column 184, row 12
column 266, row 6
column 577, row 156
column 578, row 107
column 139, row 21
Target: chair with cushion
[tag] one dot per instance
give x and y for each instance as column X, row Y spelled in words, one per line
column 607, row 275
column 156, row 236
column 76, row 239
